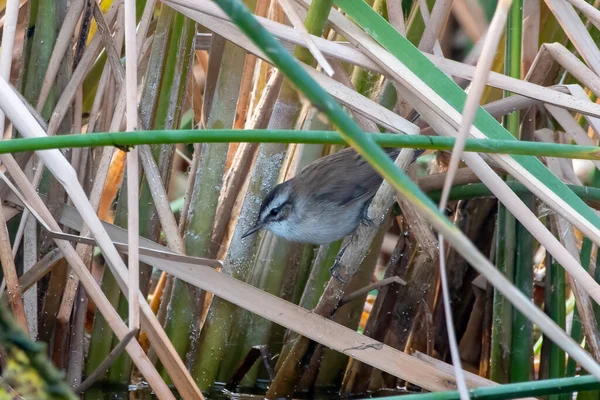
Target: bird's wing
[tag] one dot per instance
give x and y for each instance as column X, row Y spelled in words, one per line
column 341, row 178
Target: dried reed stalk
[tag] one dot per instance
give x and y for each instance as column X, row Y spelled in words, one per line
column 40, row 269
column 432, row 46
column 133, row 178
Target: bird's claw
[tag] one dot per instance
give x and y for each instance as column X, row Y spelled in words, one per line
column 366, row 220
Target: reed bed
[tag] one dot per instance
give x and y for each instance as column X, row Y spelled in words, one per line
column 141, row 136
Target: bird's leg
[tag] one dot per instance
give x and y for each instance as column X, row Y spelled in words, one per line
column 334, row 271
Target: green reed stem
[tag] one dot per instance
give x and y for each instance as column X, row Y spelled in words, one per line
column 126, row 139
column 513, row 390
column 462, row 192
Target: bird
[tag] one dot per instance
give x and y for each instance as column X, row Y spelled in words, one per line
column 325, row 202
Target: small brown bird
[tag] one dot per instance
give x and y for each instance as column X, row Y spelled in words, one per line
column 325, row 202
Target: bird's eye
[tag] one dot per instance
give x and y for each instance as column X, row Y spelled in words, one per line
column 274, row 211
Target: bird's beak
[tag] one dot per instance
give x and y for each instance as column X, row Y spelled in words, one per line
column 252, row 230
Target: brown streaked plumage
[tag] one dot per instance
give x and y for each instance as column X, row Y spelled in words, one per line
column 324, row 203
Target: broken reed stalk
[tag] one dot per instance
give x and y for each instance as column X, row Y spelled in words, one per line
column 39, row 270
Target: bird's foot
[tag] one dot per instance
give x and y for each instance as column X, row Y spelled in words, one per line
column 365, row 219
column 368, row 221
